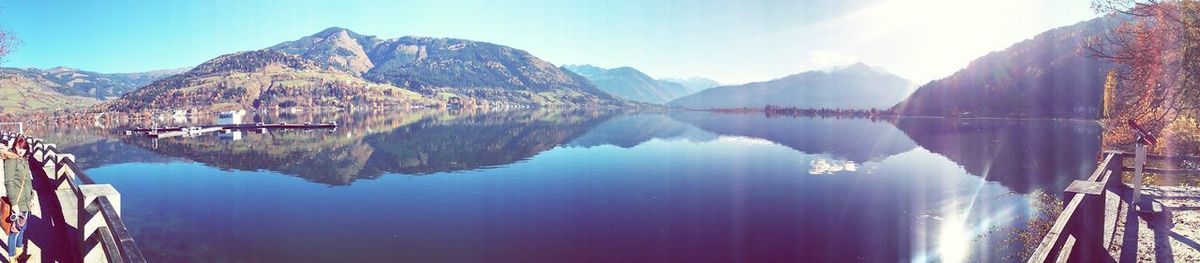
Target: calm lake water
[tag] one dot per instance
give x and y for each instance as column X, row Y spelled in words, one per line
column 588, row 186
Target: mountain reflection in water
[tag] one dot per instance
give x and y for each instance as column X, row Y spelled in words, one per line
column 369, row 145
column 1023, row 155
column 593, row 184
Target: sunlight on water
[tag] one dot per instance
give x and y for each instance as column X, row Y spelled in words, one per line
column 953, row 240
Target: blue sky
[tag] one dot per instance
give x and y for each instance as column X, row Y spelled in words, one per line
column 730, row 41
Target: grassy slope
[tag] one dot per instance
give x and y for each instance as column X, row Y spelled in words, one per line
column 270, row 86
column 20, row 94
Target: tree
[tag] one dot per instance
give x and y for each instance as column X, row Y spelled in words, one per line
column 1110, row 94
column 1156, row 50
column 8, row 43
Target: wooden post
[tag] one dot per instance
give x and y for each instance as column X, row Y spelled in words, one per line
column 1088, row 230
column 1138, row 161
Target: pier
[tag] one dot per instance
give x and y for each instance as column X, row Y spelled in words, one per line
column 183, row 132
column 73, row 219
column 167, row 132
column 1100, row 222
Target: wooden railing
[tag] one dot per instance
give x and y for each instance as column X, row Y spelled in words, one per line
column 1078, row 233
column 1088, row 220
column 90, row 212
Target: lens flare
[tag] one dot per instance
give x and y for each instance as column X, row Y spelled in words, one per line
column 953, row 240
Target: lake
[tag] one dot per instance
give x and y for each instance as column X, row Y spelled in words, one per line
column 589, row 186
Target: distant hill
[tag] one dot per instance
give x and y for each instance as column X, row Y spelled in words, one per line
column 473, row 69
column 1049, row 76
column 78, row 82
column 631, row 84
column 695, row 84
column 22, row 91
column 856, row 86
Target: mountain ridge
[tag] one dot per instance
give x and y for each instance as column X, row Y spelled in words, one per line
column 337, row 67
column 857, row 86
column 1046, row 76
column 84, row 83
column 695, row 84
column 426, row 64
column 631, row 84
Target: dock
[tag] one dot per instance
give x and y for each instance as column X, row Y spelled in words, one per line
column 246, row 126
column 1100, row 222
column 167, row 132
column 183, row 132
column 73, row 219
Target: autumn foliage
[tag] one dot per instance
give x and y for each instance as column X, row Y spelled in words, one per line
column 1157, row 56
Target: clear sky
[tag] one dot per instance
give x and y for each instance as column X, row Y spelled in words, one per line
column 730, row 41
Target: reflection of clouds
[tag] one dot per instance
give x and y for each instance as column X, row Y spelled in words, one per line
column 745, row 140
column 823, row 166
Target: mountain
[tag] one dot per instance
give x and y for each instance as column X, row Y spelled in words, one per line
column 473, row 69
column 335, row 47
column 856, row 86
column 630, row 84
column 339, row 68
column 260, row 79
column 1049, row 76
column 101, row 85
column 81, row 83
column 695, row 84
column 23, row 91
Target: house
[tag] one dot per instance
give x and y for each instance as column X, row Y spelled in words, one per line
column 230, row 117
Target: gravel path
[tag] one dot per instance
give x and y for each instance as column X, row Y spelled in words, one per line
column 1170, row 236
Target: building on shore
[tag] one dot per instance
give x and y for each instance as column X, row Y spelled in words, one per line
column 230, row 117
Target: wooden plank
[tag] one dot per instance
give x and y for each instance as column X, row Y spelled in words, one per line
column 1155, row 157
column 1173, row 172
column 1057, row 235
column 109, row 245
column 1064, row 255
column 1112, row 212
column 1100, row 168
column 1113, row 179
column 129, row 249
column 1086, row 187
column 1053, row 242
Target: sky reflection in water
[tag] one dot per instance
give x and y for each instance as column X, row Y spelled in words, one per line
column 592, row 186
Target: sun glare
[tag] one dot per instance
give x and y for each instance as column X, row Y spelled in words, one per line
column 953, row 240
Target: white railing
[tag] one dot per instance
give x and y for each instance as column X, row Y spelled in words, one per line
column 91, row 212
